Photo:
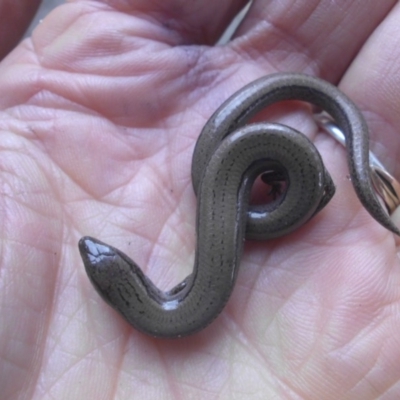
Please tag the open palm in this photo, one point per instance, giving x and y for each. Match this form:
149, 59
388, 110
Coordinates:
100, 111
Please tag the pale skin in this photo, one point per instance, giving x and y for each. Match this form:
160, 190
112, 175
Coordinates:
100, 111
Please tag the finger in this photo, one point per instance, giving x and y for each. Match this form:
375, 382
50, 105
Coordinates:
188, 22
319, 37
373, 81
15, 17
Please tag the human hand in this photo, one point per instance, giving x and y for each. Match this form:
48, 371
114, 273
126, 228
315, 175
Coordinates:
100, 113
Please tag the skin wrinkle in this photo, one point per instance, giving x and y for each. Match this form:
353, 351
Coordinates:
285, 303
352, 220
83, 103
47, 114
355, 220
302, 368
294, 42
187, 241
119, 367
374, 387
260, 34
70, 367
361, 368
25, 205
354, 216
180, 269
53, 385
380, 312
254, 348
394, 381
286, 300
232, 326
169, 377
38, 48
64, 174
299, 391
355, 339
40, 349
282, 298
245, 299
38, 78
173, 207
113, 389
104, 195
308, 354
354, 385
118, 47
